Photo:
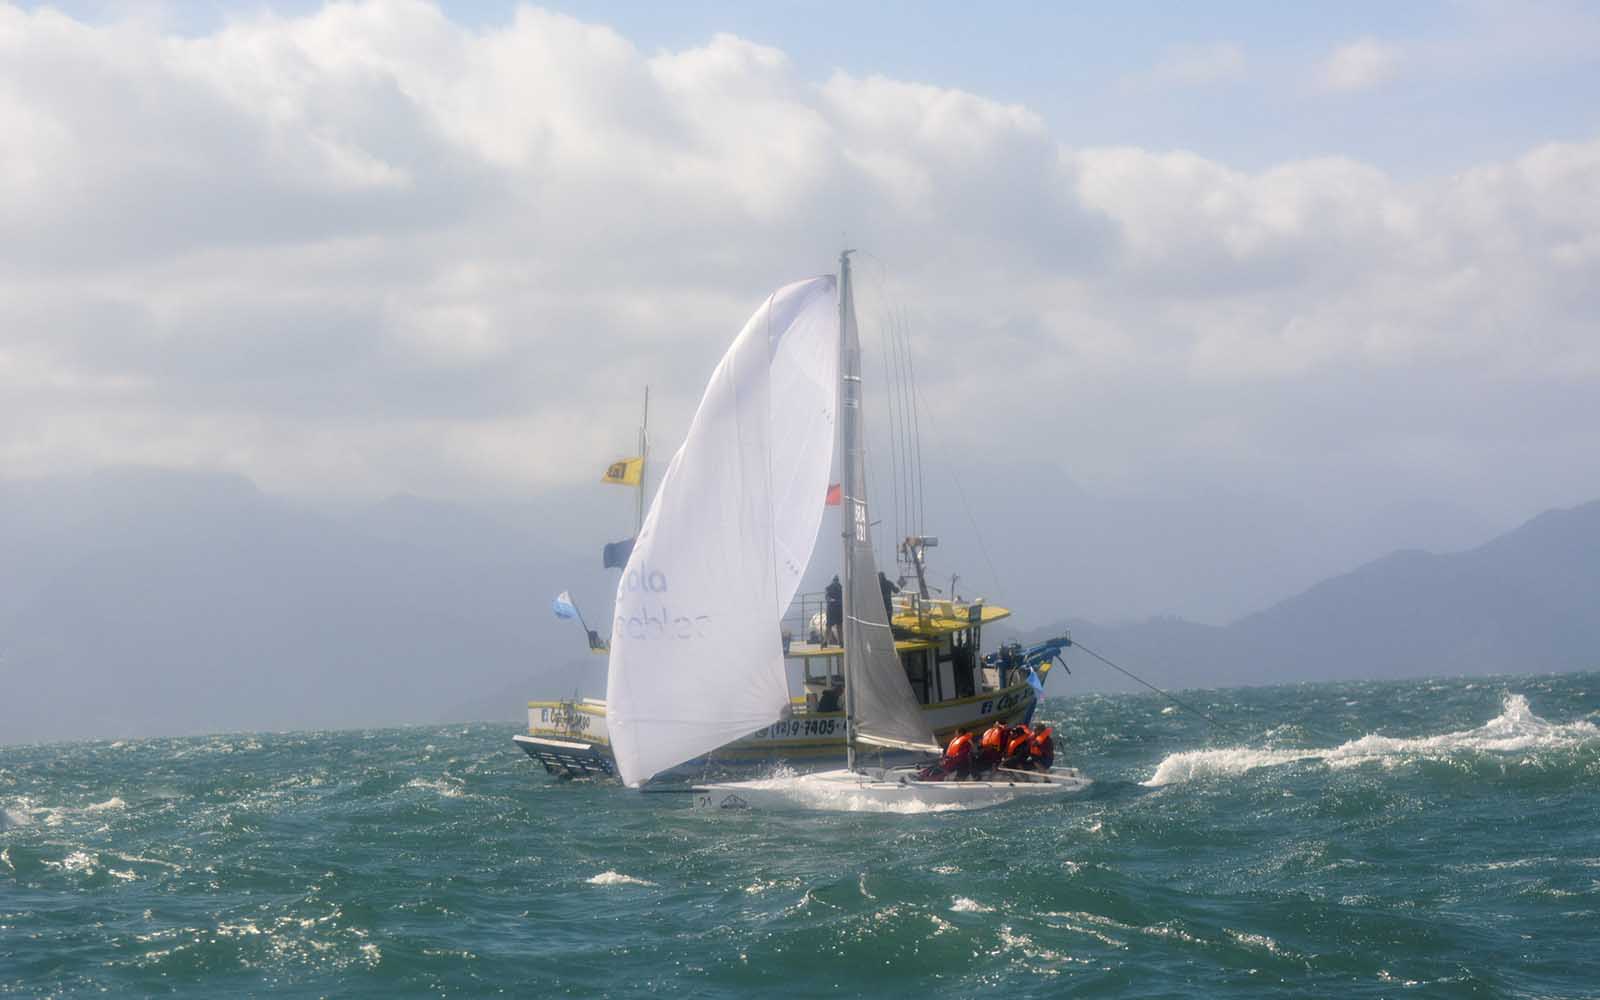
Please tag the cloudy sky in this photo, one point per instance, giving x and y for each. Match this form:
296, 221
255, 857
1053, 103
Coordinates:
1346, 257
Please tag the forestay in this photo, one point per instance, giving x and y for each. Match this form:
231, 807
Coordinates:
696, 657
882, 707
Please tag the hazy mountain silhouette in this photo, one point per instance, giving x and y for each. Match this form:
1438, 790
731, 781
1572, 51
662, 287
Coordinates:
1528, 601
137, 602
1210, 558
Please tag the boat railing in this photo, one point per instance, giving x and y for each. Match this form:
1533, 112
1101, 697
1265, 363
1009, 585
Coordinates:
805, 623
806, 620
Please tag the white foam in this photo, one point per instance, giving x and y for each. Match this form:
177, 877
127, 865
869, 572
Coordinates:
617, 878
115, 802
1197, 764
77, 861
439, 785
1257, 941
137, 859
962, 904
1516, 729
824, 796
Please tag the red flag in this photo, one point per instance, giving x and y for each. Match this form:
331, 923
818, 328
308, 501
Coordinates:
833, 496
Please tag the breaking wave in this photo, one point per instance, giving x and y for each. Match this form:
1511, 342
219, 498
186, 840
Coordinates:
1515, 729
617, 878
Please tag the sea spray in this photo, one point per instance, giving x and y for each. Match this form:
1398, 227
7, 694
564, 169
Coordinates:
1515, 730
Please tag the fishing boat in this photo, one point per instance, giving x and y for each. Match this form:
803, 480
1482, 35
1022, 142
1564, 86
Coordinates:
935, 640
697, 677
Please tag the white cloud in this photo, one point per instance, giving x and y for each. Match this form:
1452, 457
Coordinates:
372, 250
1359, 65
1199, 65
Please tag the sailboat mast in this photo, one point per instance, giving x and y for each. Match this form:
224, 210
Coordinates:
644, 462
849, 413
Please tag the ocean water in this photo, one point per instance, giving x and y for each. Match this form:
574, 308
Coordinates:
1419, 839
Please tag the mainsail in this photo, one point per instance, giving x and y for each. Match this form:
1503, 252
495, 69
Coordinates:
696, 657
879, 702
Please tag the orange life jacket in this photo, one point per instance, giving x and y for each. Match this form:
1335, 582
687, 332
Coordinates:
960, 749
994, 738
1020, 737
1040, 744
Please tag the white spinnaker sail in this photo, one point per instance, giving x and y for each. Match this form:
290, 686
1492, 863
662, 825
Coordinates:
805, 389
696, 656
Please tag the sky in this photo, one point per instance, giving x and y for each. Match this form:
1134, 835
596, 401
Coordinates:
1340, 256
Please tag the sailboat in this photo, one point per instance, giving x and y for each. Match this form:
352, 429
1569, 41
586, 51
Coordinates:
696, 657
937, 636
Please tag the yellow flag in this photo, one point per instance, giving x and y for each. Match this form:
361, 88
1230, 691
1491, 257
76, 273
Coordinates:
624, 472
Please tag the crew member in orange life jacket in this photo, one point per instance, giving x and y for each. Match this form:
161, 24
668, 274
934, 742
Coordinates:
991, 748
956, 762
1042, 749
1018, 739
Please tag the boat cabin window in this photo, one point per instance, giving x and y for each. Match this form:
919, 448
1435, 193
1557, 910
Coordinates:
964, 662
915, 662
820, 673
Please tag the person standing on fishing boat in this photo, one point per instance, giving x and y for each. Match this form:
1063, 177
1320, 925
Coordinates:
834, 597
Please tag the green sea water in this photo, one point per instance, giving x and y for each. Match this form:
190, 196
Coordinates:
1418, 839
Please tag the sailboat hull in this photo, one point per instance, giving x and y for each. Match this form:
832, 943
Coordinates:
806, 742
887, 790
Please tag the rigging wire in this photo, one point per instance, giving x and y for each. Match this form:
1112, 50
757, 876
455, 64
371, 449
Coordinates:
908, 388
1235, 730
894, 451
916, 426
966, 508
908, 403
899, 402
1133, 676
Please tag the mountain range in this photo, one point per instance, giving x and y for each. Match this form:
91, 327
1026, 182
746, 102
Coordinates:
139, 602
1527, 601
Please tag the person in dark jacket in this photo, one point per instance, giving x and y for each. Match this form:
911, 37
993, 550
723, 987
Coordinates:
834, 595
831, 699
889, 590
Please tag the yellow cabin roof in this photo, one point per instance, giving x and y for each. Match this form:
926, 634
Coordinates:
937, 620
940, 618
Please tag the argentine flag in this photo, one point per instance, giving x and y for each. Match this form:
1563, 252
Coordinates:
563, 606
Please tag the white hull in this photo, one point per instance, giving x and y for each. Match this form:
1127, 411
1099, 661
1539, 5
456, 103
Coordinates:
887, 790
807, 741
